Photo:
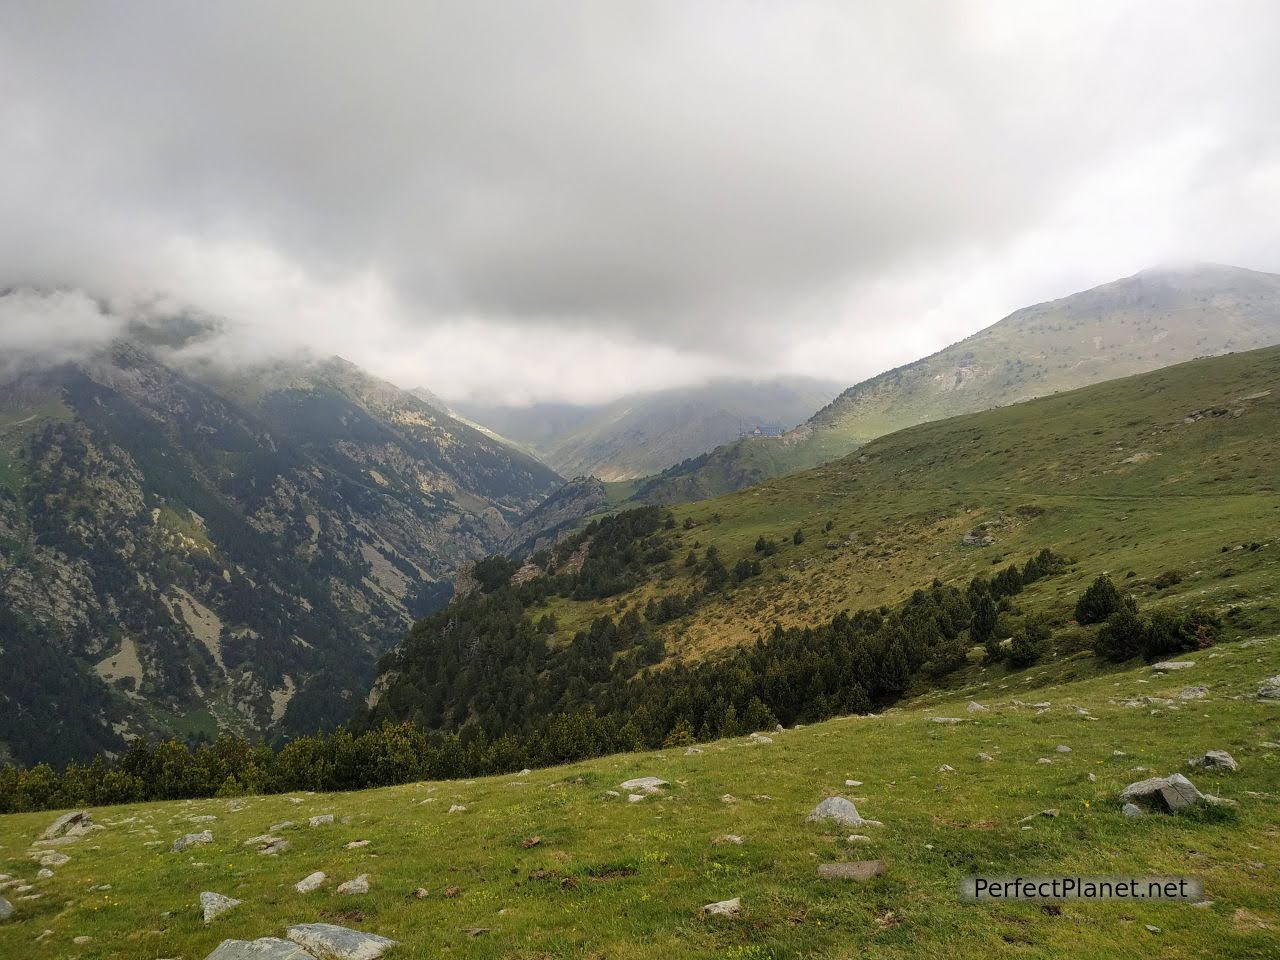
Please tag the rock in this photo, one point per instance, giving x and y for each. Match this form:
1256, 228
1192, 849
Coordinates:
44, 873
975, 707
634, 797
728, 838
1051, 813
357, 844
359, 884
1270, 689
946, 720
853, 783
838, 809
310, 882
728, 798
760, 738
986, 757
1166, 666
1062, 748
51, 858
946, 768
691, 751
857, 838
1193, 693
1215, 760
73, 823
268, 845
215, 904
325, 941
779, 728
320, 821
1173, 793
457, 808
644, 784
282, 825
524, 773
81, 940
6, 909
723, 908
854, 870
191, 840
1151, 928
267, 948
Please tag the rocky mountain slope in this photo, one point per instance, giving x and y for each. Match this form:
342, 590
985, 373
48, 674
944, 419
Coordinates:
182, 551
1155, 318
642, 434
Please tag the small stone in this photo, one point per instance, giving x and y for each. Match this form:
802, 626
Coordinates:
1174, 792
44, 873
51, 858
946, 720
853, 870
946, 768
723, 908
191, 840
853, 783
761, 739
310, 882
320, 821
1167, 666
857, 838
524, 773
986, 757
975, 707
1044, 760
1062, 748
215, 904
644, 784
6, 909
1270, 689
728, 838
457, 808
359, 884
728, 798
81, 940
691, 751
282, 825
1151, 928
357, 844
1050, 814
634, 797
327, 941
1193, 693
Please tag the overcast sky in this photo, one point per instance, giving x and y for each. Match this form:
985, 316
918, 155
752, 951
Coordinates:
567, 201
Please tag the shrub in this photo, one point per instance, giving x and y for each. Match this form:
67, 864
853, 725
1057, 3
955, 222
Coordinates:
1121, 637
798, 537
1029, 643
1167, 579
1099, 601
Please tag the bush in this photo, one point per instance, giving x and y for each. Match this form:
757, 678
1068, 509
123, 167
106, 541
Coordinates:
798, 537
1121, 637
1098, 602
1029, 644
1167, 579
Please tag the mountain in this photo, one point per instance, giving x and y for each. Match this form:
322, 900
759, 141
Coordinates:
184, 551
1158, 317
642, 434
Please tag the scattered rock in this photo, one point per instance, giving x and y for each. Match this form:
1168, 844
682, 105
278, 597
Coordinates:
320, 821
723, 908
215, 904
52, 858
6, 909
692, 751
1270, 689
74, 823
327, 941
853, 870
840, 810
644, 784
44, 873
191, 840
975, 707
853, 783
357, 844
986, 757
1166, 666
857, 838
1193, 693
1151, 928
457, 808
760, 738
282, 825
946, 719
946, 768
310, 882
634, 797
1051, 813
728, 838
81, 940
1173, 793
267, 948
1062, 748
359, 884
1215, 760
728, 798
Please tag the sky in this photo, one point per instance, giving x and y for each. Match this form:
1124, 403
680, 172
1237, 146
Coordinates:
522, 201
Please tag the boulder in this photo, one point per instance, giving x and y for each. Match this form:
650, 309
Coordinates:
1270, 689
853, 870
326, 941
320, 821
975, 707
359, 884
191, 840
1215, 760
644, 784
457, 808
1062, 748
1131, 810
946, 720
74, 823
723, 908
1167, 666
282, 825
52, 858
310, 882
1193, 693
1173, 793
839, 810
215, 904
268, 948
6, 909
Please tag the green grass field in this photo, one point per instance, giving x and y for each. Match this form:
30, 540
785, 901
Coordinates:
616, 879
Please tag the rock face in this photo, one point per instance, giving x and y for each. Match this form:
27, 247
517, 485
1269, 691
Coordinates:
267, 948
644, 784
310, 882
325, 941
723, 908
191, 840
1215, 760
838, 810
74, 823
1172, 793
215, 904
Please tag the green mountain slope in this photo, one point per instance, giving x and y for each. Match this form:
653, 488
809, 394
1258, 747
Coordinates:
186, 553
1156, 318
639, 435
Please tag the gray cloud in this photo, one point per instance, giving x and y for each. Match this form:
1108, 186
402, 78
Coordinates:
629, 194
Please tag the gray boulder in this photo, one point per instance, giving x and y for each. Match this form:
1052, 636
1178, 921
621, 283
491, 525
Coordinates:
838, 810
723, 908
191, 840
326, 941
1270, 689
1173, 793
1215, 760
68, 824
359, 884
1131, 810
215, 904
320, 821
644, 784
1168, 666
310, 882
1193, 693
268, 948
6, 909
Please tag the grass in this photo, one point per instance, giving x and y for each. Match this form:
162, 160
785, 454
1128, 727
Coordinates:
611, 878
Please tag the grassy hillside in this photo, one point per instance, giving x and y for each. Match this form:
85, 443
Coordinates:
1158, 317
626, 880
1172, 470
